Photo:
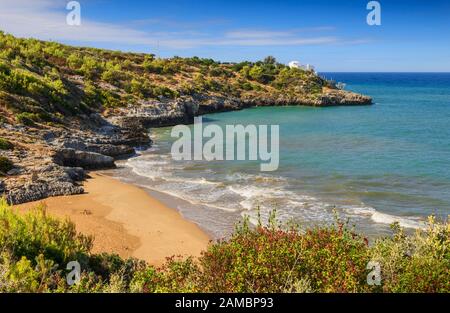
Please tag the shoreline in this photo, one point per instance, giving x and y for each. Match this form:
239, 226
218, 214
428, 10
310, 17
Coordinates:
368, 220
126, 220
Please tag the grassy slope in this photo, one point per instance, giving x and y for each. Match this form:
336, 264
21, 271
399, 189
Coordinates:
46, 81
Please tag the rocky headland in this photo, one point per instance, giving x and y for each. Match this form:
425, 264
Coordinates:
65, 110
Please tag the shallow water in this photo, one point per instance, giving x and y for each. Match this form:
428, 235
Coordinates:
374, 164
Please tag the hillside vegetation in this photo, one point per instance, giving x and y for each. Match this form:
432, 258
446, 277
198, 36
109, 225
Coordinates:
46, 81
35, 249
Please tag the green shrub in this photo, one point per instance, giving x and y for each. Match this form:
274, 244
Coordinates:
157, 91
75, 61
137, 88
239, 66
246, 86
24, 276
272, 258
176, 275
26, 83
36, 233
5, 144
335, 259
5, 165
92, 95
91, 68
27, 118
419, 263
110, 99
161, 66
112, 73
105, 265
154, 65
263, 73
187, 89
269, 259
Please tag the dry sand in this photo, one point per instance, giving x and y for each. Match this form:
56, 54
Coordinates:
126, 220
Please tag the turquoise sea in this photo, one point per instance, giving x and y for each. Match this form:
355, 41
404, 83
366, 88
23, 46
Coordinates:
373, 164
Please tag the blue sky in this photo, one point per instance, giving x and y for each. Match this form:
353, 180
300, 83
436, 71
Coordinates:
332, 35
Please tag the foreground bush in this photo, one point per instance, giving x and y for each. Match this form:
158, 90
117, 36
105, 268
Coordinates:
36, 247
268, 259
37, 233
419, 263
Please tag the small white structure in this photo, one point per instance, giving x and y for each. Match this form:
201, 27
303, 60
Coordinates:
309, 67
294, 64
297, 64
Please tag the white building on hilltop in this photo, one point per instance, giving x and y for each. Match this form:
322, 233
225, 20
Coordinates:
297, 64
294, 64
309, 67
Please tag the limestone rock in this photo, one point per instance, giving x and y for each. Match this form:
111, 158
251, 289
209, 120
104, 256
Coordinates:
36, 191
87, 160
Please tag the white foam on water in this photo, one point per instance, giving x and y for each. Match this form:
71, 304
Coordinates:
244, 177
406, 222
140, 168
198, 181
360, 210
184, 197
384, 218
249, 193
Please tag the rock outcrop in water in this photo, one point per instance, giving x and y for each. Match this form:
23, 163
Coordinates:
183, 110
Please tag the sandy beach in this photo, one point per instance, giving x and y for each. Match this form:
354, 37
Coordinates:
126, 220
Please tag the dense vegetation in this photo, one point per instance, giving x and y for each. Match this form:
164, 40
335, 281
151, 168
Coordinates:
47, 81
36, 247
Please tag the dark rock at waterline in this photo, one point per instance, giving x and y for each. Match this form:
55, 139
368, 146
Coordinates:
75, 173
87, 160
101, 148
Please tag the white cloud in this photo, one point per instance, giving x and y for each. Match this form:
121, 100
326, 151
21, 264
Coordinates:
279, 42
41, 19
254, 34
46, 19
